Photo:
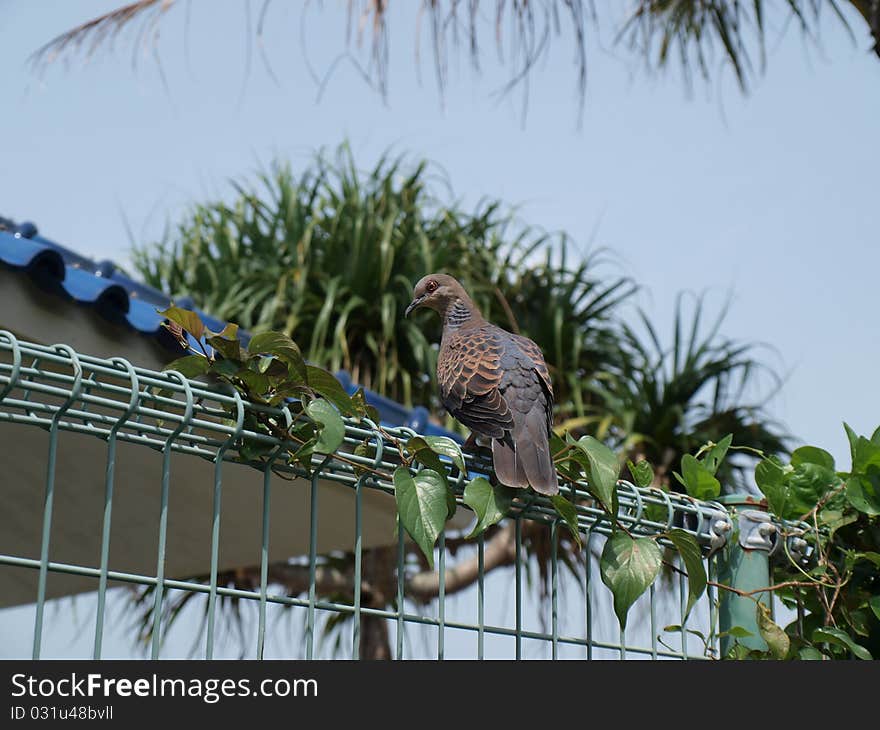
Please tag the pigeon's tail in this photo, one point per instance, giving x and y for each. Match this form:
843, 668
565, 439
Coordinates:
523, 458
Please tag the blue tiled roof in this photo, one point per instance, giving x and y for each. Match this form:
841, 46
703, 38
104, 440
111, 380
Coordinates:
118, 298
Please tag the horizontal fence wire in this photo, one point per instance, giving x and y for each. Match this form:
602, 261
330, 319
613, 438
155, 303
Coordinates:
59, 390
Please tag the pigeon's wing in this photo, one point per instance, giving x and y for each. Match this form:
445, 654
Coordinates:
469, 374
531, 350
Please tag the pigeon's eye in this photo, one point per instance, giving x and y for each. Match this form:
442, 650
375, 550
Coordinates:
431, 286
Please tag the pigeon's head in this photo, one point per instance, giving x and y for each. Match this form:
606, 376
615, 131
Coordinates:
438, 292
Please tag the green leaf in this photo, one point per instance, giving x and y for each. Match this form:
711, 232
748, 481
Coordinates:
428, 458
793, 493
252, 450
270, 366
737, 632
692, 557
874, 603
831, 635
777, 640
628, 566
226, 368
230, 349
324, 383
604, 470
713, 458
189, 366
421, 505
642, 473
770, 478
698, 480
332, 427
566, 510
363, 408
809, 653
853, 439
557, 445
277, 343
447, 447
859, 622
229, 332
489, 503
190, 321
865, 454
806, 486
258, 385
863, 492
812, 455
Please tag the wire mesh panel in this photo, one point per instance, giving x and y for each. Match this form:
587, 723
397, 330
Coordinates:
121, 481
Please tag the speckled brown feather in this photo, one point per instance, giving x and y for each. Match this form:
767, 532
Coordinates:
494, 382
469, 375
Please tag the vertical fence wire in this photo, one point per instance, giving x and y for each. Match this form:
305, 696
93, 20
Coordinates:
358, 558
156, 641
264, 549
441, 596
682, 605
554, 588
50, 494
313, 565
400, 579
481, 588
588, 597
108, 500
215, 521
713, 641
518, 559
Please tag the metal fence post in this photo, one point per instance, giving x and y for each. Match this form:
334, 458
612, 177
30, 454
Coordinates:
744, 564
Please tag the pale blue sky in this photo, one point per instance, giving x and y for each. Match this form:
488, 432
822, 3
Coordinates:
771, 197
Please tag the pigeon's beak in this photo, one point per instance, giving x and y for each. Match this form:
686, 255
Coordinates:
414, 304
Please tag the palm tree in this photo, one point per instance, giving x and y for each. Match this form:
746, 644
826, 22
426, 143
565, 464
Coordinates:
694, 33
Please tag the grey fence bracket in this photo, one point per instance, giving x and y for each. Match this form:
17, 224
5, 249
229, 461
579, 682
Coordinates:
756, 530
719, 527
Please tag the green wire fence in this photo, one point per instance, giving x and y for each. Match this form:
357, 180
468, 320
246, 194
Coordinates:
58, 390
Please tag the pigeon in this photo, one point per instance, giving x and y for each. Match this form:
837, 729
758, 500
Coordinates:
494, 382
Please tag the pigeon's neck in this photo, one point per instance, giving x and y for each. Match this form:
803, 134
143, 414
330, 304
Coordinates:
459, 313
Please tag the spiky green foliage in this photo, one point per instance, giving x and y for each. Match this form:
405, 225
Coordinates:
330, 257
668, 401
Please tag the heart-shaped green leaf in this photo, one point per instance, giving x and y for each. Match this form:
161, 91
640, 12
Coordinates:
279, 344
490, 504
566, 510
190, 321
628, 566
421, 506
604, 470
692, 556
699, 481
863, 492
642, 472
715, 455
189, 366
812, 455
332, 427
324, 383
